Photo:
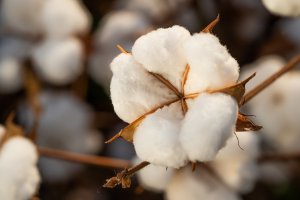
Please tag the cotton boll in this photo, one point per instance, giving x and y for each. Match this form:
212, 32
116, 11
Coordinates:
284, 8
2, 131
211, 66
64, 18
197, 185
237, 167
22, 16
59, 61
18, 171
133, 90
207, 125
154, 178
11, 73
161, 51
156, 138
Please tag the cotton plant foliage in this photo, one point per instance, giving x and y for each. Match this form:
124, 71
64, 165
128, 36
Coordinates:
284, 8
170, 88
18, 171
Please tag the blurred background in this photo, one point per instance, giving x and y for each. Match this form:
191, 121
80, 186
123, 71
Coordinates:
59, 51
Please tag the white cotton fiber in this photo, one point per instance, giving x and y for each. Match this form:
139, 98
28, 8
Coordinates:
155, 178
64, 18
133, 90
156, 138
198, 185
18, 171
284, 8
59, 61
235, 166
161, 51
22, 16
207, 125
11, 75
212, 67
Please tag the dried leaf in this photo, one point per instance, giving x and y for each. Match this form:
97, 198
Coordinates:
112, 182
243, 123
126, 182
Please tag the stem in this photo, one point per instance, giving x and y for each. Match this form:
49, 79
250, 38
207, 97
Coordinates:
252, 93
136, 168
279, 157
85, 159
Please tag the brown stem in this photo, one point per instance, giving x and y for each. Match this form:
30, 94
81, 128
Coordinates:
279, 157
211, 25
85, 159
252, 93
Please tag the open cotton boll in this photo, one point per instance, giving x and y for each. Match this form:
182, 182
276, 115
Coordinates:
65, 124
22, 16
237, 167
154, 178
59, 61
133, 90
11, 73
211, 66
207, 125
18, 171
161, 51
156, 138
285, 8
197, 185
64, 18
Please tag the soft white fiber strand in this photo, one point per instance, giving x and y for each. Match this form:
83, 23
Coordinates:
161, 51
18, 171
64, 18
207, 125
211, 66
58, 61
289, 8
156, 138
133, 90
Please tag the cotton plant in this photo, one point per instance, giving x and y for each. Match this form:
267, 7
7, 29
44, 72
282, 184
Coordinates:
19, 174
66, 124
288, 8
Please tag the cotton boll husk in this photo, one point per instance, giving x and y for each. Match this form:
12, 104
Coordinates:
11, 73
154, 178
64, 18
211, 66
237, 167
285, 8
207, 125
156, 138
65, 124
133, 90
59, 61
22, 16
18, 171
161, 51
197, 185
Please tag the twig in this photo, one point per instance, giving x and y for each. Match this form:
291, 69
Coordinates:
85, 159
279, 157
252, 93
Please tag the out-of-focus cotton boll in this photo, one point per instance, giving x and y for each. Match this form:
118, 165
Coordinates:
154, 178
22, 16
65, 124
197, 185
18, 171
284, 8
10, 75
237, 167
64, 18
274, 172
59, 61
113, 31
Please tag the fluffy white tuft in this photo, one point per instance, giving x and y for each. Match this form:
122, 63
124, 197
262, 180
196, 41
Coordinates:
212, 67
10, 75
59, 61
161, 51
133, 90
64, 18
197, 185
156, 138
207, 125
284, 8
18, 171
